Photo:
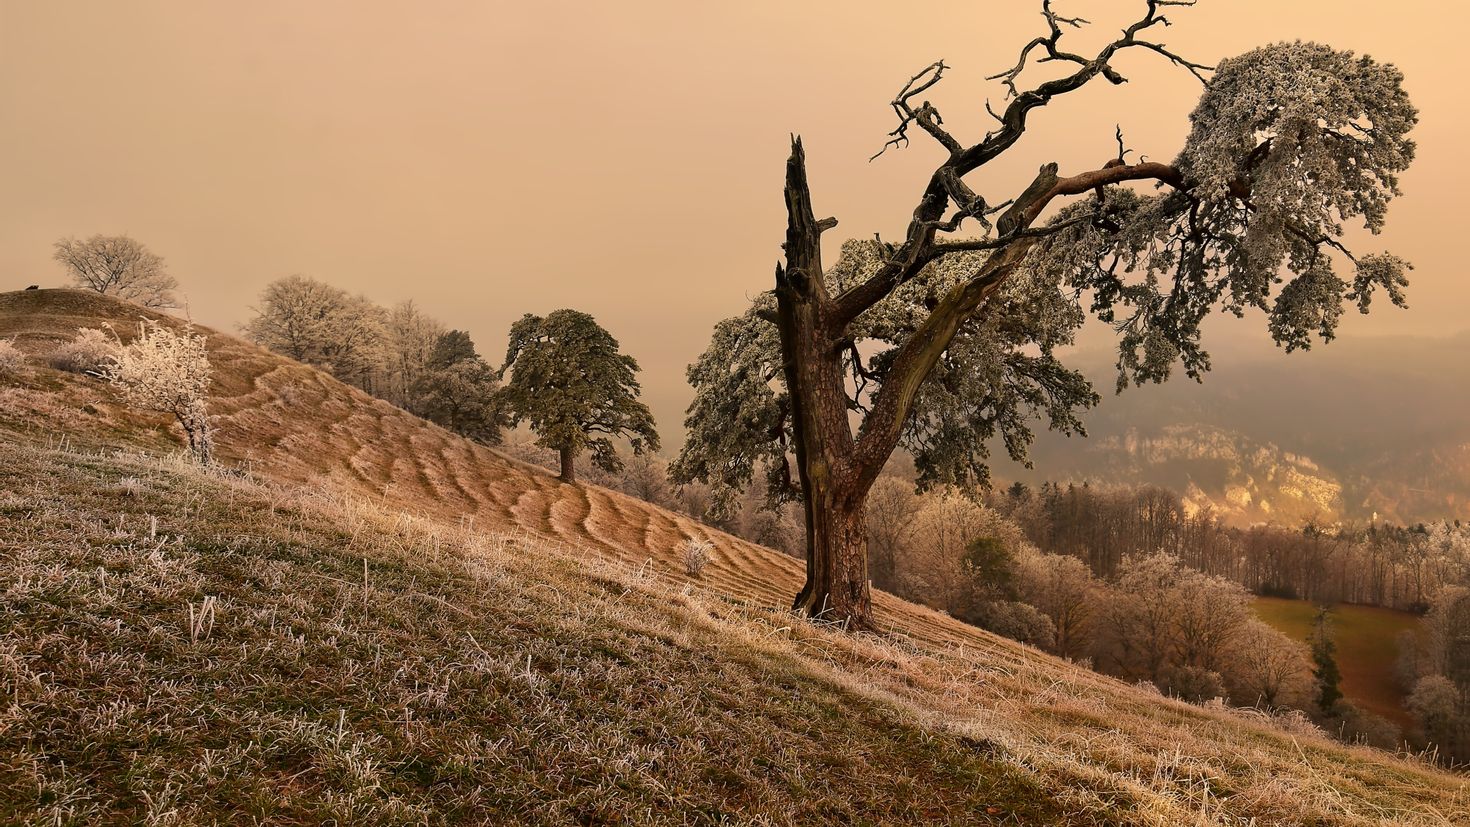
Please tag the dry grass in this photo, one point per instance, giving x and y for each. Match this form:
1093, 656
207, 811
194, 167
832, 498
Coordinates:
178, 647
430, 632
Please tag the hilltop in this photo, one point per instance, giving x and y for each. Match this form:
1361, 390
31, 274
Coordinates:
365, 618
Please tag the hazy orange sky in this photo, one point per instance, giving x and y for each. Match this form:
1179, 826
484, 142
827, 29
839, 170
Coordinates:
493, 159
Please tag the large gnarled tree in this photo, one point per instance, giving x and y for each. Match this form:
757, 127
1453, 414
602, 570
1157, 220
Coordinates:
943, 340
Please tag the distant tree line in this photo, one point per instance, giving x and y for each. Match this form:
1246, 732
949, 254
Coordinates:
1380, 565
563, 374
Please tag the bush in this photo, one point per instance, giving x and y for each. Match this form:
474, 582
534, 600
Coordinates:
1356, 725
1017, 621
86, 353
11, 357
1195, 683
168, 372
696, 556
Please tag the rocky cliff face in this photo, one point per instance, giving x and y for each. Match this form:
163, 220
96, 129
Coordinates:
1344, 433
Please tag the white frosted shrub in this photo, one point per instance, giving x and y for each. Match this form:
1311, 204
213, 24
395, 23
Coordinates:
167, 372
11, 358
88, 352
696, 556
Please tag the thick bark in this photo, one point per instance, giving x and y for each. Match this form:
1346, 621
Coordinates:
568, 465
836, 586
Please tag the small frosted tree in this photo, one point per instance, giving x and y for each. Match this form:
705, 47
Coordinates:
576, 390
166, 371
117, 265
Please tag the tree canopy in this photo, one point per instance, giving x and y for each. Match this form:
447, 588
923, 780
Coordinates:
120, 266
568, 380
999, 374
459, 391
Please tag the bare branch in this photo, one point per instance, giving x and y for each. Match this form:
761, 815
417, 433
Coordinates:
1054, 22
1196, 69
929, 216
926, 116
1122, 151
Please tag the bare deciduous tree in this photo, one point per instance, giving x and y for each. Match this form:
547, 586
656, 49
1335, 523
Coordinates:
321, 325
118, 266
892, 506
1268, 669
1061, 587
410, 340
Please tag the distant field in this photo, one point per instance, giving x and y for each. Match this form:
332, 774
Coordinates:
1367, 648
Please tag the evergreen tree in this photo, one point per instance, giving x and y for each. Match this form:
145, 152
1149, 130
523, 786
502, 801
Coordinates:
1329, 678
576, 390
459, 391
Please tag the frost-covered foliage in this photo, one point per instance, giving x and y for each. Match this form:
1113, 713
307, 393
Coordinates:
411, 339
316, 323
87, 352
1060, 587
1167, 623
1440, 675
117, 266
998, 375
11, 357
161, 370
1288, 144
1268, 669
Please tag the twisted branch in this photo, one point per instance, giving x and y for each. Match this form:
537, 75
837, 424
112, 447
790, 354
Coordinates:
945, 185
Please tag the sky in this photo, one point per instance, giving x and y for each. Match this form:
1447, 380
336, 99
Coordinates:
489, 159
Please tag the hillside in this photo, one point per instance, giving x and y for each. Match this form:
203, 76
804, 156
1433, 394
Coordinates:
379, 622
1346, 431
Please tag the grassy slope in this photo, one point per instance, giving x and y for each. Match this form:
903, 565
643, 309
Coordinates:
365, 668
1367, 648
525, 650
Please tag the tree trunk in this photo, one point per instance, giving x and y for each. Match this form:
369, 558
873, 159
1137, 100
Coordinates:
568, 466
195, 423
833, 492
837, 586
